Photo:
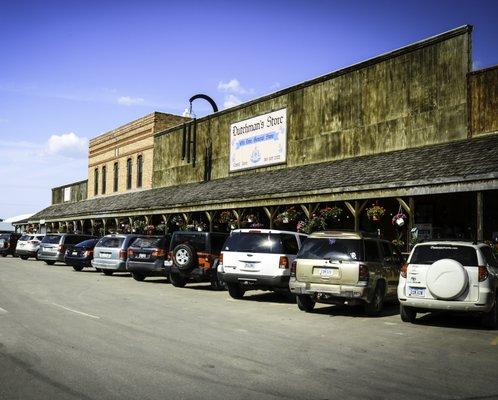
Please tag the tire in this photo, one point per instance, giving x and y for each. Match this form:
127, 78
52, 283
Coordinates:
49, 262
305, 302
77, 268
374, 308
490, 319
184, 257
407, 314
4, 254
235, 291
23, 257
138, 276
107, 272
215, 282
177, 280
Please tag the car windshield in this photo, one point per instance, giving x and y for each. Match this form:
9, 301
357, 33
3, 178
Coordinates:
331, 248
148, 242
259, 242
114, 242
25, 238
428, 254
51, 239
87, 243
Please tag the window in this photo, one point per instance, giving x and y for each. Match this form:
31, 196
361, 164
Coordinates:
116, 174
428, 254
139, 170
289, 244
128, 173
372, 251
96, 181
331, 249
104, 178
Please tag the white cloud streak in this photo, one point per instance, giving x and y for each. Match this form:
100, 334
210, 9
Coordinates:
231, 101
130, 101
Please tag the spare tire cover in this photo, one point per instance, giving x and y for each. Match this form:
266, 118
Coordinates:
447, 279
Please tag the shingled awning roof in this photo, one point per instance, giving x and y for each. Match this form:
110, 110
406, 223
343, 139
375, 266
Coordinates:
457, 166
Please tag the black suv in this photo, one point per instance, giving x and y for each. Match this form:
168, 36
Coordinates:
194, 256
146, 257
8, 243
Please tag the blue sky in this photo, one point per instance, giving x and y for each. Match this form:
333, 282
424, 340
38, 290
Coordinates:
72, 70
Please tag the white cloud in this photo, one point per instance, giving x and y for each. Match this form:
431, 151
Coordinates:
130, 101
67, 145
275, 86
233, 86
231, 101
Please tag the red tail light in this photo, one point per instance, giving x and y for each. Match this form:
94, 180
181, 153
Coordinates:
61, 248
293, 268
88, 253
283, 262
130, 253
123, 254
363, 274
483, 273
220, 259
34, 241
404, 270
169, 256
158, 253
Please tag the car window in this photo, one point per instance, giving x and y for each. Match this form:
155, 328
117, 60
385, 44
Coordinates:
51, 239
387, 252
87, 243
217, 242
199, 242
25, 238
289, 244
143, 242
114, 242
372, 251
254, 242
331, 248
73, 239
490, 258
428, 254
302, 238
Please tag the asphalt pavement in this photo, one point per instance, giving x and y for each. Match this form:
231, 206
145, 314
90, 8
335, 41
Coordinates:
83, 335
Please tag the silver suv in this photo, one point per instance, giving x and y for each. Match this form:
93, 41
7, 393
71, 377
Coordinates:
451, 276
111, 252
350, 268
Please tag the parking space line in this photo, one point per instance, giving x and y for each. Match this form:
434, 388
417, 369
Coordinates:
76, 311
3, 311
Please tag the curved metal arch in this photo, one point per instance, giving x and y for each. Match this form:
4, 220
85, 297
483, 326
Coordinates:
204, 97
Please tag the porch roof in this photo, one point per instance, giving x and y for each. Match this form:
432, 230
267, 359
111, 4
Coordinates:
464, 165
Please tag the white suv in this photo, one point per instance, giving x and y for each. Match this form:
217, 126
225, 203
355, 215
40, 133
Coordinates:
450, 276
258, 259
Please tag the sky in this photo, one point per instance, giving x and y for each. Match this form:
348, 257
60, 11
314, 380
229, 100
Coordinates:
70, 71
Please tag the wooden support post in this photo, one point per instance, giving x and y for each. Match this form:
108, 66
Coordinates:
410, 211
210, 217
104, 223
166, 222
239, 214
480, 216
271, 213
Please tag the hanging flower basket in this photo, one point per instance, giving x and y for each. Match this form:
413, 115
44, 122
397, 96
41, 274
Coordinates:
252, 219
399, 219
398, 243
375, 212
315, 223
331, 213
289, 215
226, 217
149, 229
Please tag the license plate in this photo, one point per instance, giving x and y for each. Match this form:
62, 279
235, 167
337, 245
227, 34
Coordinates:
50, 249
327, 272
142, 255
248, 265
105, 255
75, 253
416, 292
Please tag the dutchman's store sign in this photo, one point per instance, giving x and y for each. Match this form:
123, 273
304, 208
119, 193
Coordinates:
259, 141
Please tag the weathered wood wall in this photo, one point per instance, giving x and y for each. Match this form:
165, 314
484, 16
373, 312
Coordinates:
78, 192
483, 101
411, 97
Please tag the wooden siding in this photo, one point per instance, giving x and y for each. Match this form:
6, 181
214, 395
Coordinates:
483, 101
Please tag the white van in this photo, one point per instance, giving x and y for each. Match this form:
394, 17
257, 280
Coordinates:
258, 259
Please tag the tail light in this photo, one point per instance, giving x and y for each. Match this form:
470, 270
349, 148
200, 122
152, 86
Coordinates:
34, 241
483, 273
130, 253
363, 274
88, 253
158, 253
220, 259
283, 262
122, 254
293, 268
61, 248
169, 256
404, 270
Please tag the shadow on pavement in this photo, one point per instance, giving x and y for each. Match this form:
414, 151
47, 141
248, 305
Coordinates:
389, 310
450, 320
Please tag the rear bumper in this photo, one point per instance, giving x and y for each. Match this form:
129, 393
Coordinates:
29, 253
197, 274
78, 262
148, 268
115, 265
262, 281
51, 256
328, 291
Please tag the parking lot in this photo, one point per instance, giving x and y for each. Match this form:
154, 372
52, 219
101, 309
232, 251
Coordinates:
83, 335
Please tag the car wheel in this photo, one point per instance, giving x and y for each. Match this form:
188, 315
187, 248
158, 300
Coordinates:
235, 290
4, 254
23, 257
305, 302
184, 257
50, 262
138, 276
407, 314
177, 280
78, 269
375, 306
490, 319
107, 272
